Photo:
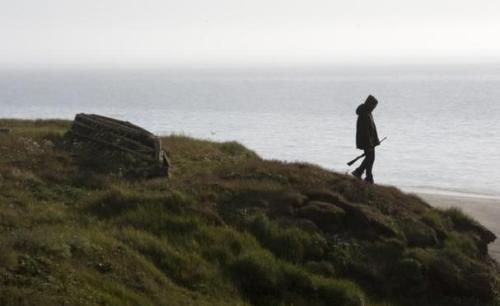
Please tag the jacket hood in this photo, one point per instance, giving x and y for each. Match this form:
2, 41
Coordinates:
362, 109
367, 107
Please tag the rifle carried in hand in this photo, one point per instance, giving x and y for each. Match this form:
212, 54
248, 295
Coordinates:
362, 155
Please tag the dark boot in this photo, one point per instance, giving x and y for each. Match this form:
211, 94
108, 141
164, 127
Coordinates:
369, 179
357, 173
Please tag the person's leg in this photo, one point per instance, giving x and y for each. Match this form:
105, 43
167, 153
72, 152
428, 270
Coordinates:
359, 171
370, 159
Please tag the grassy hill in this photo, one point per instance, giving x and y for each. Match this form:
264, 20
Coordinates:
228, 228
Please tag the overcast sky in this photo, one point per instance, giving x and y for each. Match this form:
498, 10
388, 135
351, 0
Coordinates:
147, 32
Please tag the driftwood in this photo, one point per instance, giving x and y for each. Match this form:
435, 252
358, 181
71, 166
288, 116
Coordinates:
125, 137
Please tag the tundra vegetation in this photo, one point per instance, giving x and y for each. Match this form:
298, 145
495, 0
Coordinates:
228, 228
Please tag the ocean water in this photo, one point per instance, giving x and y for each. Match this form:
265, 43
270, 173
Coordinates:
443, 129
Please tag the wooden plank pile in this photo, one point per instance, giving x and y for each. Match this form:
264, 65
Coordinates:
123, 136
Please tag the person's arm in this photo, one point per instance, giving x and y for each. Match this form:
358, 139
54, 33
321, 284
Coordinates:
375, 141
363, 133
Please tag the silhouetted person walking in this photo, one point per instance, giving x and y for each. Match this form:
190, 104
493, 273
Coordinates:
366, 138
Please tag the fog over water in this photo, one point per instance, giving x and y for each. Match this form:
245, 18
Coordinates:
154, 32
442, 128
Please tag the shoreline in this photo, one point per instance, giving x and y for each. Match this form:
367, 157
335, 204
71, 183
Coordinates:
449, 193
486, 210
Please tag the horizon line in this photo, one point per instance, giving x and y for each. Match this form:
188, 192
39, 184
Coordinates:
259, 65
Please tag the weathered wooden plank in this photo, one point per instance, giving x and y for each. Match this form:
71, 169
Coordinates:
113, 124
123, 136
112, 136
145, 156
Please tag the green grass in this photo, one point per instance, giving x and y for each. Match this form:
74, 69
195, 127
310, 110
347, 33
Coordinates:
228, 228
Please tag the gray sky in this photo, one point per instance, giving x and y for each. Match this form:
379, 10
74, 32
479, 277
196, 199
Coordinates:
147, 32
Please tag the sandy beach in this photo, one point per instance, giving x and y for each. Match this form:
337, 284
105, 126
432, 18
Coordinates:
486, 210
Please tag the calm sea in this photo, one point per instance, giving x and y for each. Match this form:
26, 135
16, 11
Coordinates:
443, 129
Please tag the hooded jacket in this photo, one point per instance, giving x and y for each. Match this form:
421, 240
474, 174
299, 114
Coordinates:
366, 131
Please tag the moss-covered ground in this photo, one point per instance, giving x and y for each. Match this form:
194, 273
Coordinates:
228, 228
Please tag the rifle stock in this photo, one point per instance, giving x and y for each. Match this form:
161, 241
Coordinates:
355, 160
362, 155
